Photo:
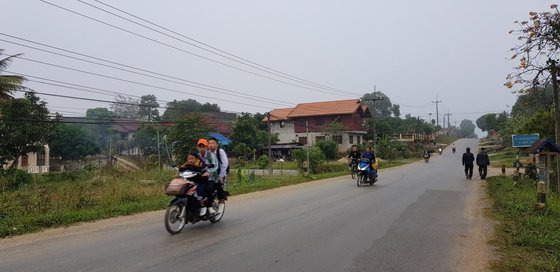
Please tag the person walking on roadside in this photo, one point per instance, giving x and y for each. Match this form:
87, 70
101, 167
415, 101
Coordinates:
482, 160
468, 159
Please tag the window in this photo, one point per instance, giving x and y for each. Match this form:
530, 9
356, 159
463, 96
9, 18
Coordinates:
319, 138
282, 124
337, 139
351, 139
303, 140
319, 121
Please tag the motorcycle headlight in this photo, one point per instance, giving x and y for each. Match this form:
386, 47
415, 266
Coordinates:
187, 174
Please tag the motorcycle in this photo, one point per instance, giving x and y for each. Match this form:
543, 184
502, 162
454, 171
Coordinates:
454, 150
366, 174
184, 208
426, 157
440, 150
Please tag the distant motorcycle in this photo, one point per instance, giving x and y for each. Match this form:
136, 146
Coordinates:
184, 208
454, 150
440, 150
426, 157
366, 174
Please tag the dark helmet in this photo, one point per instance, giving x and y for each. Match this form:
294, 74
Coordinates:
468, 149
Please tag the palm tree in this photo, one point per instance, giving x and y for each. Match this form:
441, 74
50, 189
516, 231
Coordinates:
8, 83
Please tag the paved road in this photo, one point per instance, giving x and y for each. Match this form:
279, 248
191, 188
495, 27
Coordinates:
410, 221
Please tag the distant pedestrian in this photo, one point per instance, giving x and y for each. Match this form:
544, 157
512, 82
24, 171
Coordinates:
482, 160
468, 160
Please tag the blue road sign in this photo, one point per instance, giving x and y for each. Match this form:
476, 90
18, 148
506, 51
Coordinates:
524, 140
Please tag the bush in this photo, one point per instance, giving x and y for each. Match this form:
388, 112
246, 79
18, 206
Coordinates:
329, 149
390, 149
263, 162
316, 158
12, 179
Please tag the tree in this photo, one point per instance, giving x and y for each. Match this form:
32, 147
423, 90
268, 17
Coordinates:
328, 148
9, 83
148, 109
466, 129
246, 130
316, 158
72, 142
101, 132
537, 56
25, 126
177, 109
396, 110
533, 100
383, 108
184, 135
334, 129
126, 107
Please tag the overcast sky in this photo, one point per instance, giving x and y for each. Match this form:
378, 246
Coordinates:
411, 50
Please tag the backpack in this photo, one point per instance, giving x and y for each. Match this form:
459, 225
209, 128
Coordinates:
220, 161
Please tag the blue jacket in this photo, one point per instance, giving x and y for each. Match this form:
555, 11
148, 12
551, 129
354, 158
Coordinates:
369, 155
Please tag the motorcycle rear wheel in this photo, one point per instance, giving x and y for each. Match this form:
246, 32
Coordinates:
353, 172
173, 221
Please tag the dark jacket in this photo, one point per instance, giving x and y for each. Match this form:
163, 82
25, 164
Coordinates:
354, 154
369, 155
482, 159
468, 159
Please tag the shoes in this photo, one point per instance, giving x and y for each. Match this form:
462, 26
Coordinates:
221, 207
203, 211
211, 210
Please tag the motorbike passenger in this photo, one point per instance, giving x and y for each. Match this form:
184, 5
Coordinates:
212, 165
354, 156
223, 170
195, 164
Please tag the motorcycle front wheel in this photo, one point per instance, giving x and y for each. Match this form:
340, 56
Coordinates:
359, 180
174, 222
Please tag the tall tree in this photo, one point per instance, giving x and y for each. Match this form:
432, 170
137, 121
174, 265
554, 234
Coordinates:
9, 83
177, 109
184, 135
126, 107
25, 126
246, 130
383, 108
148, 109
71, 142
101, 132
466, 129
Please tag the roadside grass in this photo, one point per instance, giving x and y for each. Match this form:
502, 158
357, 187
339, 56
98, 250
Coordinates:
526, 239
61, 199
287, 165
507, 157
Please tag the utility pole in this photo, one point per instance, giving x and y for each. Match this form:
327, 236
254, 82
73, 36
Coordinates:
375, 98
448, 119
437, 110
307, 143
269, 145
554, 76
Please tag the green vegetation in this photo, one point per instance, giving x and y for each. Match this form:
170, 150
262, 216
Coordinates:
445, 139
507, 157
527, 239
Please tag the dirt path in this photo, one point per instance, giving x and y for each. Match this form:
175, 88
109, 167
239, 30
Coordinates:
475, 253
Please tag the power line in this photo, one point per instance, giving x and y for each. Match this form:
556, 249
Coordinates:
226, 91
227, 55
188, 52
136, 82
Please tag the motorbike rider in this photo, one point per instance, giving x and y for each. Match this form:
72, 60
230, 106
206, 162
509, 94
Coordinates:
370, 155
212, 165
453, 148
223, 170
426, 154
354, 156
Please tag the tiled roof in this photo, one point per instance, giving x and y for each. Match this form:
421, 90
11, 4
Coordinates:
325, 108
279, 114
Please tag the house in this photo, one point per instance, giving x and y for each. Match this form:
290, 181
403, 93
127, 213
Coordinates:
32, 162
341, 121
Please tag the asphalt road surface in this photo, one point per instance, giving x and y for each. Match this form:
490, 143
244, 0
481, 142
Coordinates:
413, 219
